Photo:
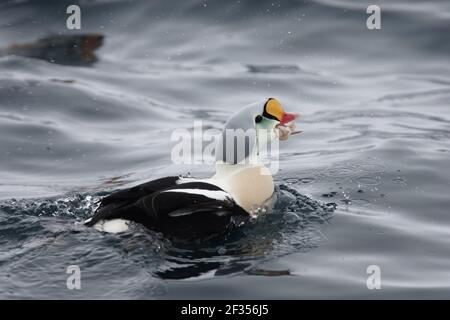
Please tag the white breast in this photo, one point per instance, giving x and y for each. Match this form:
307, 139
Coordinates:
250, 185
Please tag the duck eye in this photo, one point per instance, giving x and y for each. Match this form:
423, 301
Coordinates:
258, 119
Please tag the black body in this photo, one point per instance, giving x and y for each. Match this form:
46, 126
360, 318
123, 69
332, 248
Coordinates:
158, 206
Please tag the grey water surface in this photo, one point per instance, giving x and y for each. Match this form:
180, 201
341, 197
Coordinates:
375, 111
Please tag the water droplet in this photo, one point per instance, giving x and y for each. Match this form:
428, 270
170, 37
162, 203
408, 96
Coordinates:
399, 180
327, 195
307, 180
368, 181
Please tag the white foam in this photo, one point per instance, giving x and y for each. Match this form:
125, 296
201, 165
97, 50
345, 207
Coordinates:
87, 220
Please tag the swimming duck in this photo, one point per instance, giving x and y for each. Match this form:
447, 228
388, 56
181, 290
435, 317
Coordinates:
241, 188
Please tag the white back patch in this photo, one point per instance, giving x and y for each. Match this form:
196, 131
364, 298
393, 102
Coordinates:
212, 194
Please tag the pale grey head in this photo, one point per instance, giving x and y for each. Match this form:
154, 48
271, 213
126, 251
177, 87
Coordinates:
242, 133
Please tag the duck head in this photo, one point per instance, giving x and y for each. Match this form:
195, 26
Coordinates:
251, 129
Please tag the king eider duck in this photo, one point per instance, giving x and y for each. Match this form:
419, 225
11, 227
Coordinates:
241, 188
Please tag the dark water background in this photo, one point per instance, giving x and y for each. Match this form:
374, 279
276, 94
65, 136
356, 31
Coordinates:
376, 120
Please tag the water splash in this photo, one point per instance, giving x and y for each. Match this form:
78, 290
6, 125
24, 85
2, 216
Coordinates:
45, 224
77, 206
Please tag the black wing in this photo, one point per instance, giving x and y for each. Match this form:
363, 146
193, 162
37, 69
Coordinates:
171, 209
191, 215
121, 204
